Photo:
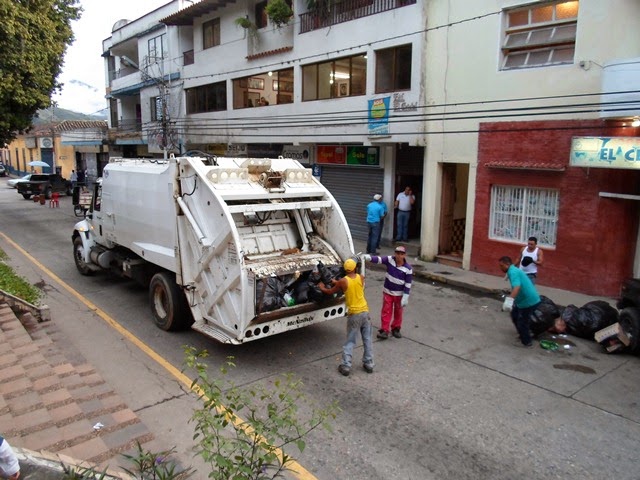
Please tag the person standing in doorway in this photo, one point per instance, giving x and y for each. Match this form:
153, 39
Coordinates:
404, 202
531, 257
74, 178
395, 291
522, 301
375, 211
384, 214
352, 284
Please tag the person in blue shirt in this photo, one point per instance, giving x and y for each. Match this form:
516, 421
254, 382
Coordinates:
375, 211
522, 301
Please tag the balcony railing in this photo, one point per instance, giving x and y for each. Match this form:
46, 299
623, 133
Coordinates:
347, 10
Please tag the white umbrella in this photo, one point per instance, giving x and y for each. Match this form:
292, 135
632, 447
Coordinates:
38, 163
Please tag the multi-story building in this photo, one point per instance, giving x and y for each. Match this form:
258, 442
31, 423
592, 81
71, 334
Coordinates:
483, 107
529, 100
337, 86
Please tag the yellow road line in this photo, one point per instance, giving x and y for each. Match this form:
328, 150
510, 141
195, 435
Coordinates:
295, 468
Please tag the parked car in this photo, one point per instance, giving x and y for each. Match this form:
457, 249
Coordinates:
44, 184
15, 181
3, 170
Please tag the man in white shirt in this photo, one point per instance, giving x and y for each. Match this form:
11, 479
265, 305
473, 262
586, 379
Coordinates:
404, 202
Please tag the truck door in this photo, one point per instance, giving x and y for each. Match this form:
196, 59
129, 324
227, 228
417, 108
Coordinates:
103, 221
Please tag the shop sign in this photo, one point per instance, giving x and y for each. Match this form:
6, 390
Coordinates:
302, 153
236, 150
379, 116
343, 155
605, 152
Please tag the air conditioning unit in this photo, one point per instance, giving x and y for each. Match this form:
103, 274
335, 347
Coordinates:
45, 142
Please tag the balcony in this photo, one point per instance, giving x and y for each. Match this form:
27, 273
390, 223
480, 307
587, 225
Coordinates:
621, 76
347, 10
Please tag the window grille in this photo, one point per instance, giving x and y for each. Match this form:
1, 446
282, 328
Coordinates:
518, 213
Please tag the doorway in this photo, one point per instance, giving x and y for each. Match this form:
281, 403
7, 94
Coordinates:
453, 207
409, 164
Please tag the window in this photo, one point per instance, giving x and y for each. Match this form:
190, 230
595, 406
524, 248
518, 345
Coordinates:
157, 47
156, 109
261, 14
518, 213
344, 77
207, 98
393, 69
211, 33
540, 35
269, 88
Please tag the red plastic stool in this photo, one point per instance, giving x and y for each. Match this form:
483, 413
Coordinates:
55, 200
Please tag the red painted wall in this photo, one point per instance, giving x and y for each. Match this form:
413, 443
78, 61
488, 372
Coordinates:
596, 237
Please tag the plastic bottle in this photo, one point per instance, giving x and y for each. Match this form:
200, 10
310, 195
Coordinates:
289, 301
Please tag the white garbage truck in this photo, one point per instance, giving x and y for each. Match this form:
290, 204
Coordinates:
231, 247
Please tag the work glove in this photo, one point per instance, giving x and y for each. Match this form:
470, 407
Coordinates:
366, 257
507, 306
405, 300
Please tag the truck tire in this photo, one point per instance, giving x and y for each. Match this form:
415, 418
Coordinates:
47, 193
26, 196
81, 265
629, 320
167, 303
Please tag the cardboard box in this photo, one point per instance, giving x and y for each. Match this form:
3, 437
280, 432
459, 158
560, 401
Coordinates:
614, 330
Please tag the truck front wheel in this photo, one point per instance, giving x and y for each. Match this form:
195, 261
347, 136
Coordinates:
167, 302
78, 257
26, 196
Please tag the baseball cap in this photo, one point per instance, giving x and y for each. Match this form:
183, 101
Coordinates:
349, 265
401, 249
377, 196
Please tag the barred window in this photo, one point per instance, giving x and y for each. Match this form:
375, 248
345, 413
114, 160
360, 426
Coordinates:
518, 213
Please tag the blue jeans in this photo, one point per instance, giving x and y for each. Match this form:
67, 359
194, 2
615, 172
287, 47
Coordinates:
374, 234
358, 322
532, 277
380, 233
402, 224
521, 319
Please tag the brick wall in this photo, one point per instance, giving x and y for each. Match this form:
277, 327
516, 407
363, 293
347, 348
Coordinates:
596, 237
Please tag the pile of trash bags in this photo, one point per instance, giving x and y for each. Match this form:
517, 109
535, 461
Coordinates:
581, 322
276, 292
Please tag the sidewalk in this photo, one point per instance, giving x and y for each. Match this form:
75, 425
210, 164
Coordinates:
473, 281
55, 408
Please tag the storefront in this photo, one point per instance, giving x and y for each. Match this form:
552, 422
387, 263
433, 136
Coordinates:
353, 175
530, 183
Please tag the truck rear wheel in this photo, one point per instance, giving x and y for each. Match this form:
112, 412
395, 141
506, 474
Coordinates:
167, 303
47, 193
78, 257
26, 196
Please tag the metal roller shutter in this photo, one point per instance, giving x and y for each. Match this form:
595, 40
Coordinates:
353, 189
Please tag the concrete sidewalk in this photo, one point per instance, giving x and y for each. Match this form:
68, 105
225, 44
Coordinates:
473, 281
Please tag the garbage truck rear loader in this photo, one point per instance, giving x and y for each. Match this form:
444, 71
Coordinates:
229, 246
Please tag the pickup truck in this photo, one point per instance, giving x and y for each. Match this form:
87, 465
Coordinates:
45, 183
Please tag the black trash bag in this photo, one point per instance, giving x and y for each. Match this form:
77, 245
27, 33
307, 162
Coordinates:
314, 294
325, 273
544, 316
269, 291
585, 321
301, 291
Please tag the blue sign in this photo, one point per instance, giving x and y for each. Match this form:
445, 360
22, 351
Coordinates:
379, 116
605, 152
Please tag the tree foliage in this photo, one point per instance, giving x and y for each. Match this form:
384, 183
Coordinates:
34, 36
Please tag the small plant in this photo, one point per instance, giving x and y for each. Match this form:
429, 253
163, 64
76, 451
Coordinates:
156, 466
279, 12
82, 473
262, 422
245, 23
12, 283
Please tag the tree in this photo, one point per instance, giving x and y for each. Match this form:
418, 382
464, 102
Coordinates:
34, 36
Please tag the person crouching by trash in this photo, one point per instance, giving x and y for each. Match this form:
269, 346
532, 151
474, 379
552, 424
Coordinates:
522, 301
9, 466
352, 284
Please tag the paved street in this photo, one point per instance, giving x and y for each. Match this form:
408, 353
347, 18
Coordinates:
456, 398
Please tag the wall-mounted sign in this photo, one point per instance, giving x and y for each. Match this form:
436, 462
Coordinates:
605, 152
236, 150
379, 116
345, 155
302, 153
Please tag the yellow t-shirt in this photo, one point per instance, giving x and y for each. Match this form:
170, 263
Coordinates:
354, 296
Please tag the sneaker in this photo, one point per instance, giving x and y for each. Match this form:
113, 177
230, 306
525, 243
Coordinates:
344, 370
396, 333
382, 335
367, 368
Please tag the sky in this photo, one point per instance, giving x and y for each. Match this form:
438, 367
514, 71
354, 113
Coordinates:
83, 72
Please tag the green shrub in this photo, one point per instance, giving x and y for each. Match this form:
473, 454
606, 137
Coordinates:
16, 285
